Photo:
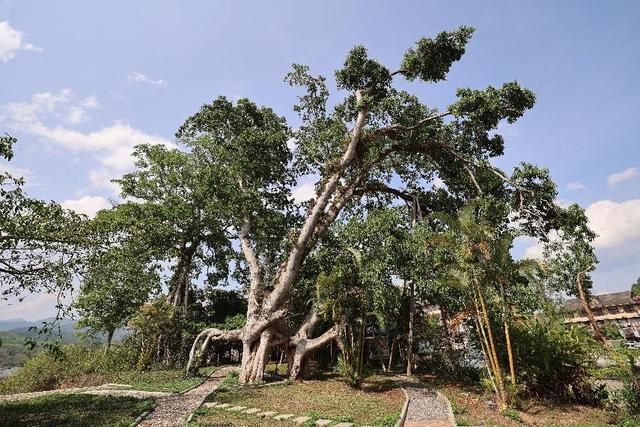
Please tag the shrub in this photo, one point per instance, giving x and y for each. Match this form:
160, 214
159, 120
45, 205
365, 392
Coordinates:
553, 360
47, 370
348, 373
611, 330
631, 389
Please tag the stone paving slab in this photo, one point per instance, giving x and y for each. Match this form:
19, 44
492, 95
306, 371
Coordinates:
128, 393
237, 408
252, 411
323, 422
343, 425
301, 420
284, 416
267, 414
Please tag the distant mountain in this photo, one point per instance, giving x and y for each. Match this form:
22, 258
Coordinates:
13, 351
67, 329
8, 324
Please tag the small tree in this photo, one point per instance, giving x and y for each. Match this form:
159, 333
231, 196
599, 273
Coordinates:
570, 258
115, 285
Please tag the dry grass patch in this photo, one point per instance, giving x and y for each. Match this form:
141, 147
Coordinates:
219, 417
472, 406
328, 398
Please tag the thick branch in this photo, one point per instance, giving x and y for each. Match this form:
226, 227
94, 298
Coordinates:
401, 128
310, 322
212, 334
315, 343
289, 271
254, 266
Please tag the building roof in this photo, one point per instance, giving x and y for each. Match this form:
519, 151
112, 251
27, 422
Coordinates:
604, 300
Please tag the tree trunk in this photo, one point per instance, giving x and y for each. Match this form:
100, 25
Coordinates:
390, 363
410, 335
303, 346
512, 368
491, 347
109, 339
587, 309
507, 335
180, 293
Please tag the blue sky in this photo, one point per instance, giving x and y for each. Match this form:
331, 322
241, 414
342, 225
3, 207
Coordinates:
82, 82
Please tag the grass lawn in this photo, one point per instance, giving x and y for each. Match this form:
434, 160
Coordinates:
73, 410
378, 403
170, 380
470, 407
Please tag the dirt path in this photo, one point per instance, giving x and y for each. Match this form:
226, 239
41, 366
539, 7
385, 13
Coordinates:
173, 410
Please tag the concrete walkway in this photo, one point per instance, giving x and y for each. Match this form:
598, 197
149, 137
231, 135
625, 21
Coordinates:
105, 390
173, 410
427, 408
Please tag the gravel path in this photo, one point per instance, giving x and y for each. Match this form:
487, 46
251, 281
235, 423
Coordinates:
427, 408
173, 410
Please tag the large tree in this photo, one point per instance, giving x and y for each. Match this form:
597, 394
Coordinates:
377, 142
170, 211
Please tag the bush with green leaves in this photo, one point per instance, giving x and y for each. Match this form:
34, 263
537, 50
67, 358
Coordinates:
631, 389
49, 370
553, 359
611, 330
348, 372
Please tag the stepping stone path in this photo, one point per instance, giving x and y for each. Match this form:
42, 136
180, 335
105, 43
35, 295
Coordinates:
173, 410
272, 414
283, 417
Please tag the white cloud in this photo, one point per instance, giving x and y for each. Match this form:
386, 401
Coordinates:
101, 178
533, 252
112, 145
33, 307
137, 77
88, 205
14, 171
292, 144
622, 176
575, 186
12, 41
438, 183
617, 224
304, 191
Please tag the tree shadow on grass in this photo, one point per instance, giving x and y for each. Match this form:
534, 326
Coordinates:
73, 410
